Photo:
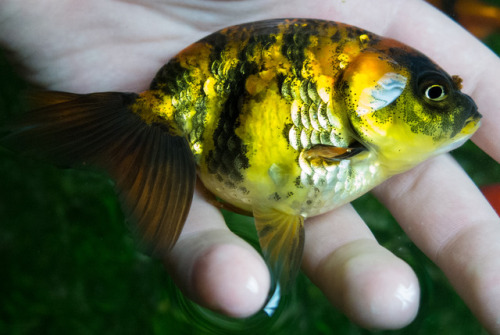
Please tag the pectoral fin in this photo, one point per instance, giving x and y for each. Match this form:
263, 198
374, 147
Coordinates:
331, 153
281, 238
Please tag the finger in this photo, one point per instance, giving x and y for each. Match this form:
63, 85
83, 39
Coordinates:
215, 268
446, 216
373, 287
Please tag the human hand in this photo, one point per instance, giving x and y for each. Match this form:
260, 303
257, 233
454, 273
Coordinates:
109, 45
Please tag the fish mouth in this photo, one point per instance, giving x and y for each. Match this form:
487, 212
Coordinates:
473, 121
469, 128
472, 124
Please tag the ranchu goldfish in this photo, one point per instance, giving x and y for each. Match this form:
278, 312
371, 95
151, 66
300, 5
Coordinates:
281, 119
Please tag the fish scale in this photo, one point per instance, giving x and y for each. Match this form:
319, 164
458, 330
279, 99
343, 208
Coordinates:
312, 122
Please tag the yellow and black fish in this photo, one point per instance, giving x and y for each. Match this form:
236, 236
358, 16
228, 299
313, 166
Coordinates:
283, 119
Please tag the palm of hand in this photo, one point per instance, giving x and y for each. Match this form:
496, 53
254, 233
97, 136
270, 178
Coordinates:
118, 45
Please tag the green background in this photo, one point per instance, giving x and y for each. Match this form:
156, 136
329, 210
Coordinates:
68, 264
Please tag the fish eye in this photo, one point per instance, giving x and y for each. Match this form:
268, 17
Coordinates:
433, 86
435, 92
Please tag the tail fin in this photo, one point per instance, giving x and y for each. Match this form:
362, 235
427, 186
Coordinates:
154, 171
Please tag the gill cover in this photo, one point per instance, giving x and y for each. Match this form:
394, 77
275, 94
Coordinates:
374, 82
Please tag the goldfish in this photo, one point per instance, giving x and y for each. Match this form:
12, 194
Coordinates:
280, 119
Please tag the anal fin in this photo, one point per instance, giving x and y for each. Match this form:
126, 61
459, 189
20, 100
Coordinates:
281, 238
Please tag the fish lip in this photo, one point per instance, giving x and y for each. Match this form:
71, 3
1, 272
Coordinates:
471, 125
476, 118
473, 121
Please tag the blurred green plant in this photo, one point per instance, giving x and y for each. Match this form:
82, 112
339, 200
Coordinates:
70, 266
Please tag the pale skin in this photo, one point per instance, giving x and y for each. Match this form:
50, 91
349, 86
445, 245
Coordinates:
101, 45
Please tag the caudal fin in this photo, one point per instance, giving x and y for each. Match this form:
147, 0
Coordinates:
154, 171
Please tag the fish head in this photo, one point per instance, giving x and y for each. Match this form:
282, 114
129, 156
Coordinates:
405, 108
